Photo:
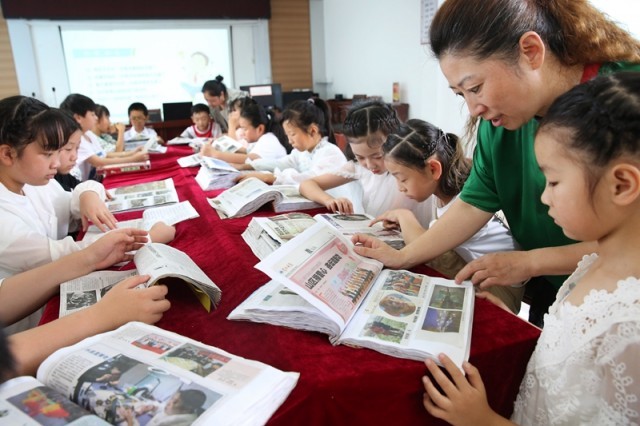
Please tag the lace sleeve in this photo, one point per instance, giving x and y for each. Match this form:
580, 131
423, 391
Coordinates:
347, 171
618, 356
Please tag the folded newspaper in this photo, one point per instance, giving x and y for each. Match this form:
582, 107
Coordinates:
142, 195
216, 174
141, 374
251, 194
264, 235
156, 260
320, 284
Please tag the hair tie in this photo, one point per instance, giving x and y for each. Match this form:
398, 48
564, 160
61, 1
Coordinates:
311, 101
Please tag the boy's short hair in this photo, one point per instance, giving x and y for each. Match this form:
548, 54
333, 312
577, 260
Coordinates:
200, 108
79, 104
138, 106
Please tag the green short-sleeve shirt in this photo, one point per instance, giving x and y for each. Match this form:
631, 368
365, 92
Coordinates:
505, 176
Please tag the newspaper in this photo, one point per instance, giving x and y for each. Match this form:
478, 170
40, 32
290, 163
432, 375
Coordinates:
192, 160
398, 313
251, 194
169, 214
216, 174
142, 195
140, 373
152, 145
265, 234
179, 140
156, 260
226, 144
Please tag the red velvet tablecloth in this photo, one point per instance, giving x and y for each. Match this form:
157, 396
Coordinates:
338, 385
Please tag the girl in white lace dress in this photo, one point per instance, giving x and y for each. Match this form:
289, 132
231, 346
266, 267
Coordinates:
584, 370
366, 127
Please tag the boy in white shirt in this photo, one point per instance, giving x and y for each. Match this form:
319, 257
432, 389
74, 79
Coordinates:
90, 152
138, 115
203, 125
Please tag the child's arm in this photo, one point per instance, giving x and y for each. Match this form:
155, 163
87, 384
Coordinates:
132, 157
22, 294
314, 189
93, 209
268, 178
462, 400
123, 303
402, 219
160, 232
120, 140
230, 157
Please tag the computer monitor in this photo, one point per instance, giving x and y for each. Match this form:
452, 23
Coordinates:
176, 111
267, 95
296, 95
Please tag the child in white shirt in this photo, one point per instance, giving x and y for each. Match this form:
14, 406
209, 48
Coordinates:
203, 126
138, 116
308, 127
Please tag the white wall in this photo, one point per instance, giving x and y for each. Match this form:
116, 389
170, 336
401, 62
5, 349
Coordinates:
369, 44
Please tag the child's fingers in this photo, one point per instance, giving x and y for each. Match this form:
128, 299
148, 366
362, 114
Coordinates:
443, 381
473, 375
437, 399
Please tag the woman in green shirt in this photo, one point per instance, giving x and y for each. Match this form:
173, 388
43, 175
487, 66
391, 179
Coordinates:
510, 59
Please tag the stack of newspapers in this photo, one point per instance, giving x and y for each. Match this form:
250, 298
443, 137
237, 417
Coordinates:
216, 174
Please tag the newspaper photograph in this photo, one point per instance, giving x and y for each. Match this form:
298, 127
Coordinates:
82, 292
351, 224
142, 195
321, 266
408, 310
141, 374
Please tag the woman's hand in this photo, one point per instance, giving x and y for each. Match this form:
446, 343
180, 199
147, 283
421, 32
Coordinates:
113, 247
93, 209
462, 401
339, 205
503, 268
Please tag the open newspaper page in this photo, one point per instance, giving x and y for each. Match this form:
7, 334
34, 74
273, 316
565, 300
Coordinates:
244, 198
321, 266
292, 200
160, 261
142, 195
413, 316
265, 234
169, 214
226, 144
141, 374
82, 292
351, 224
25, 401
273, 303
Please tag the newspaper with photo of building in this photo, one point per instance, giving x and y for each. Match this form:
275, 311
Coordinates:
141, 374
356, 302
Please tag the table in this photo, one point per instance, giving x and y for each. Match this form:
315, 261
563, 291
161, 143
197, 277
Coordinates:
338, 385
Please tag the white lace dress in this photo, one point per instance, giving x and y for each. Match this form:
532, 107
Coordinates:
585, 369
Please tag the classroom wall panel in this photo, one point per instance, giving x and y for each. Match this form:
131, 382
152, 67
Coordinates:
290, 44
8, 79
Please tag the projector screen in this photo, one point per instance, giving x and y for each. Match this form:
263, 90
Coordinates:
152, 66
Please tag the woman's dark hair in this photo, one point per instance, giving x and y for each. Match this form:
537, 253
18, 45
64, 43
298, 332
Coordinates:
102, 111
215, 87
416, 141
573, 30
599, 121
25, 120
79, 104
257, 115
303, 114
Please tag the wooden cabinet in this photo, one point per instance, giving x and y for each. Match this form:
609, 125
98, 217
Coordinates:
339, 108
170, 129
